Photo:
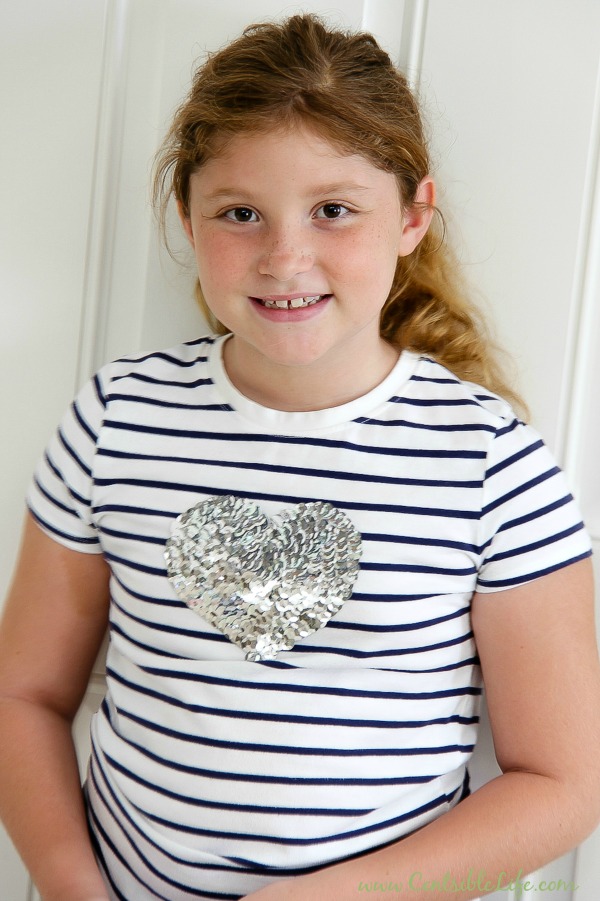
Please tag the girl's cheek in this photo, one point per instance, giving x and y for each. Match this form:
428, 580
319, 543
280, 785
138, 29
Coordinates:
218, 248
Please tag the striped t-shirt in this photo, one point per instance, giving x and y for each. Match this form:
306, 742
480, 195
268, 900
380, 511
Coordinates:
213, 774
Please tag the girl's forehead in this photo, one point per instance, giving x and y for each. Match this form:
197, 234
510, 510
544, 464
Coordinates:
282, 165
303, 139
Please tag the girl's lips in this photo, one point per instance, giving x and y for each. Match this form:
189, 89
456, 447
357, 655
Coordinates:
290, 309
290, 302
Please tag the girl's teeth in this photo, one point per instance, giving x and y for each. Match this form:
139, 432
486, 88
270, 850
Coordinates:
292, 304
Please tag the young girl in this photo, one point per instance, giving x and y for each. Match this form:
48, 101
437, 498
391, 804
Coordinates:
311, 536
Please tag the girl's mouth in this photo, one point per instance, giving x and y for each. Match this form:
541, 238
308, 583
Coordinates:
294, 303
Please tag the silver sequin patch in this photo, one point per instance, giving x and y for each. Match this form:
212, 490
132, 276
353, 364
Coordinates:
263, 583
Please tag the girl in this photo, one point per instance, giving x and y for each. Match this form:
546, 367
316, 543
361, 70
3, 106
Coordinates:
311, 536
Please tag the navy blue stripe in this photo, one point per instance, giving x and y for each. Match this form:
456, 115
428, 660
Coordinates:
171, 405
435, 401
168, 358
390, 598
458, 664
59, 532
522, 580
409, 568
402, 627
153, 380
99, 392
294, 470
159, 652
356, 596
291, 688
204, 339
427, 542
327, 839
392, 652
84, 501
255, 778
431, 427
84, 424
53, 500
147, 598
307, 648
211, 491
72, 453
535, 514
249, 437
433, 381
132, 536
296, 750
514, 458
52, 465
173, 630
235, 808
536, 545
510, 427
136, 511
520, 489
296, 718
138, 567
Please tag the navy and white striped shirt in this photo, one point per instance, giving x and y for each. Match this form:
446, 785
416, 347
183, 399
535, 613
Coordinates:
212, 775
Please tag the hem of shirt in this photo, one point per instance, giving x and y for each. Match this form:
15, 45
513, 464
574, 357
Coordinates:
519, 580
82, 545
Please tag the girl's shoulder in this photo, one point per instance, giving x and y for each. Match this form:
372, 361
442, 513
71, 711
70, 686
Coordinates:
156, 366
433, 384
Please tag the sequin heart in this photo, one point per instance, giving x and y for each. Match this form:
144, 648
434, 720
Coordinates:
263, 583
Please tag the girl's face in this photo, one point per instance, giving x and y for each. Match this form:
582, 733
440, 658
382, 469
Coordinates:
296, 245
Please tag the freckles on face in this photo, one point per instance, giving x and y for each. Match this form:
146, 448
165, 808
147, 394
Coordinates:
296, 243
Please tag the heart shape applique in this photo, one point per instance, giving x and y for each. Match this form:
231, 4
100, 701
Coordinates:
263, 583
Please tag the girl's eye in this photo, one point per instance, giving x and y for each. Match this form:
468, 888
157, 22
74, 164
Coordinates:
332, 211
241, 214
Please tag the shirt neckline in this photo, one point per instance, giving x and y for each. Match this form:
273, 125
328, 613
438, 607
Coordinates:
287, 421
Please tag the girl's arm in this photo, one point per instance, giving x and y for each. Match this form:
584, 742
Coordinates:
53, 624
537, 645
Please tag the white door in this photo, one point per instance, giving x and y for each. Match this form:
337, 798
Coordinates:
511, 95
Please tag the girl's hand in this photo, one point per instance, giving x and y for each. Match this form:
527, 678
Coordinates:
78, 897
277, 891
53, 623
302, 888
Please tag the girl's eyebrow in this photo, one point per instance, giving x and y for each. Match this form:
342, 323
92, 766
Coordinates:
326, 190
339, 188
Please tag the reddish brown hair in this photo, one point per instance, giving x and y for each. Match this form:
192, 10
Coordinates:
346, 88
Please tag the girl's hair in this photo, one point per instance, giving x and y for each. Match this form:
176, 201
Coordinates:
344, 87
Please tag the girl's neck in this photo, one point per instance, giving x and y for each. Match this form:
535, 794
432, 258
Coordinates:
302, 388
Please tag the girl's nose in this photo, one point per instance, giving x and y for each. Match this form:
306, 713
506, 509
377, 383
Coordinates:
285, 255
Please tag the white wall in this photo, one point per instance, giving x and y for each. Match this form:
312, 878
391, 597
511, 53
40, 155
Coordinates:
87, 88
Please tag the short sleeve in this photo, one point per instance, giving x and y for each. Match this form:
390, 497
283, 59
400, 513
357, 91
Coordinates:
530, 523
60, 493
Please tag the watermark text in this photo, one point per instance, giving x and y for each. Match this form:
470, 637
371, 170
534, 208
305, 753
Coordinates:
419, 882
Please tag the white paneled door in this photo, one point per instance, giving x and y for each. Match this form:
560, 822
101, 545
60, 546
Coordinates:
512, 99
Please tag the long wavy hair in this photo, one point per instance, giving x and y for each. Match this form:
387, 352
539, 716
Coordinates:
346, 88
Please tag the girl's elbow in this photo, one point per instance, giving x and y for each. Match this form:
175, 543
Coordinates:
581, 802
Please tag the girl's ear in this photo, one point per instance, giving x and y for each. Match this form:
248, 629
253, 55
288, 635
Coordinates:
186, 222
418, 217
